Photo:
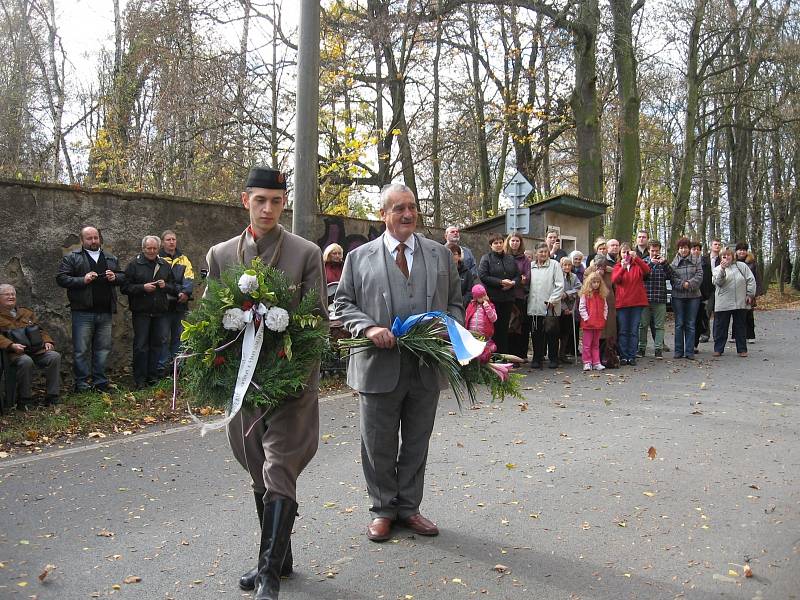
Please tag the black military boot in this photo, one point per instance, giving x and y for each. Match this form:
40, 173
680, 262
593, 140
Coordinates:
247, 581
276, 531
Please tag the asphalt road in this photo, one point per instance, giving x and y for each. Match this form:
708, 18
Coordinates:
553, 499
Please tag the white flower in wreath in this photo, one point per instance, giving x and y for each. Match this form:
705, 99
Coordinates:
248, 283
234, 319
276, 319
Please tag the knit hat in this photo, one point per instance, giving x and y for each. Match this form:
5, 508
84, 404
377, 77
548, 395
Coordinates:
478, 290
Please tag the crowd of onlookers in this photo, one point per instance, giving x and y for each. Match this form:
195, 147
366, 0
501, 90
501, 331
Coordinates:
601, 306
598, 307
158, 283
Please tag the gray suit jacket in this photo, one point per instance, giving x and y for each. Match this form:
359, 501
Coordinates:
363, 300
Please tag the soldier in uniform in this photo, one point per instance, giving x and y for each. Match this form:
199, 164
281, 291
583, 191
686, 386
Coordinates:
279, 446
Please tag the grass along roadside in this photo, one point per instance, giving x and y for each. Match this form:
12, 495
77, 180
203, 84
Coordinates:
98, 415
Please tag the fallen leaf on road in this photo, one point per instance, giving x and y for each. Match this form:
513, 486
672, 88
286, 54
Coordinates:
651, 453
551, 469
534, 515
733, 573
703, 385
116, 586
649, 494
105, 533
97, 434
754, 486
607, 401
150, 420
459, 445
748, 572
329, 505
523, 406
622, 523
500, 568
31, 435
43, 575
22, 583
511, 466
4, 455
132, 579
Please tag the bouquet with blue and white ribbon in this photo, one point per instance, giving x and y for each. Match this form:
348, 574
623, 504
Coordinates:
438, 340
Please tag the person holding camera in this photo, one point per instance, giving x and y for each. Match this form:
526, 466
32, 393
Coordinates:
734, 294
631, 297
554, 249
149, 282
91, 276
28, 345
655, 313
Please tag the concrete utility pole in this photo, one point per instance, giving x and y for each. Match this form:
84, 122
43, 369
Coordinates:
307, 139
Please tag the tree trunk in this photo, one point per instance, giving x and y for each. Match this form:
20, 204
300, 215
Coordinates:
480, 123
680, 205
627, 191
436, 168
584, 103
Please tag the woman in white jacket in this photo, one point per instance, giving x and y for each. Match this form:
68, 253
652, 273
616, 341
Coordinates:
546, 288
734, 293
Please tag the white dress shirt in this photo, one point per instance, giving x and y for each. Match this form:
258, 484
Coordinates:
391, 246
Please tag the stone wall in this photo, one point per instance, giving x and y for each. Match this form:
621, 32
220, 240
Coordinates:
41, 223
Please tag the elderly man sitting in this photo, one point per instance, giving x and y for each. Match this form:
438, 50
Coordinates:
27, 345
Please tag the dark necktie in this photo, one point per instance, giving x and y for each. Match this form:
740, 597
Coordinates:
400, 259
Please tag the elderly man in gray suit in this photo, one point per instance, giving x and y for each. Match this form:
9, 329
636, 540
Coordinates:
396, 275
274, 448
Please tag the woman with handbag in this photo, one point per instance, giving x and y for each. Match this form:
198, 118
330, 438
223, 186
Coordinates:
544, 306
27, 345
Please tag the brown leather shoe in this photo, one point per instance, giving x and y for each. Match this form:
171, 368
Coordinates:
380, 529
419, 524
743, 354
716, 354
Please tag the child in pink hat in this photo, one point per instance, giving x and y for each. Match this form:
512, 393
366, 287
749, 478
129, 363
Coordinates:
480, 318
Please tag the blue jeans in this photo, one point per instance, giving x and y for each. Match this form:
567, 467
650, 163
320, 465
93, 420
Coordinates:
173, 345
150, 335
685, 310
628, 331
91, 345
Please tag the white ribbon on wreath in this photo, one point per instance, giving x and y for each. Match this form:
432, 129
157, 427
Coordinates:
251, 350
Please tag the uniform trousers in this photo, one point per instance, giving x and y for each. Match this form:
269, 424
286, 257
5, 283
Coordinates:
274, 449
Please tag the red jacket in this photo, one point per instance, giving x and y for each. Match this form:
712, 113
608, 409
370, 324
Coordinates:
594, 311
629, 283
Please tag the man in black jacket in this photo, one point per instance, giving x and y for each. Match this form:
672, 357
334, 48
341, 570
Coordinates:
148, 283
91, 276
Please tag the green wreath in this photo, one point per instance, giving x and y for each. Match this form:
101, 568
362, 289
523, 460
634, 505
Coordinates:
213, 331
